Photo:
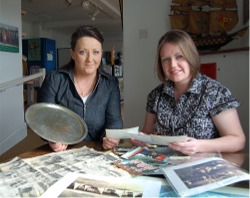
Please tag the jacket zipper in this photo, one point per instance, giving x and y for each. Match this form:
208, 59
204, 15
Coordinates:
84, 104
84, 109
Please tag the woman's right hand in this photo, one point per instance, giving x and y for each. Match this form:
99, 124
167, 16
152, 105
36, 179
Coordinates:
109, 143
57, 146
138, 142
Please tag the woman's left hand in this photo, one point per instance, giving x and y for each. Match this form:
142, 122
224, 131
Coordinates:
188, 147
109, 143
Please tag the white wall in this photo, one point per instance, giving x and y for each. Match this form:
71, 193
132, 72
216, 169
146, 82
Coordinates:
142, 16
12, 125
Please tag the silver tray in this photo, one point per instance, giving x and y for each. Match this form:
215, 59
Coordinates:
56, 123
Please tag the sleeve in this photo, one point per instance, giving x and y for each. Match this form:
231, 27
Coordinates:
152, 99
47, 92
221, 100
113, 119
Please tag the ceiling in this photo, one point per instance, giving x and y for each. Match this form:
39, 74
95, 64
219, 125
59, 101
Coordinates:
65, 15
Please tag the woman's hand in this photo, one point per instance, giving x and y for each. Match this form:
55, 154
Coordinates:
58, 146
109, 143
188, 147
137, 142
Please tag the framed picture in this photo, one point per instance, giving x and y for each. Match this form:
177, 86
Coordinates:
9, 39
117, 71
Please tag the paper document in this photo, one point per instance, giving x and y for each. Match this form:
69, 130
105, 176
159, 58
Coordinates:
133, 132
165, 140
85, 185
122, 133
203, 175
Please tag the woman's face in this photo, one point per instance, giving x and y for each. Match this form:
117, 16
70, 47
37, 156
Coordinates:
87, 55
174, 64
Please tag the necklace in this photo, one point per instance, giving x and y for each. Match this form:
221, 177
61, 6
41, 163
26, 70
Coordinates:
82, 92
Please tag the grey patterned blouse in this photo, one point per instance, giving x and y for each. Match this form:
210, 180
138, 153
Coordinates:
192, 114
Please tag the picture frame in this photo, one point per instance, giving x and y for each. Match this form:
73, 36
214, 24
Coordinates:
9, 38
117, 71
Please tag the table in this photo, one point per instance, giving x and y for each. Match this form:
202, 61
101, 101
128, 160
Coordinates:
240, 158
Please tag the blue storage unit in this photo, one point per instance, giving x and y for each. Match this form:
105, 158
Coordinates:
41, 53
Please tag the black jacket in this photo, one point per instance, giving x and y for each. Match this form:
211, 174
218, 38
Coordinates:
102, 108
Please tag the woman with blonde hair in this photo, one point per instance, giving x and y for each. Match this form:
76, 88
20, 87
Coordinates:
190, 103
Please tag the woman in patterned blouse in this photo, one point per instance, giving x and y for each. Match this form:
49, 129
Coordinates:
190, 103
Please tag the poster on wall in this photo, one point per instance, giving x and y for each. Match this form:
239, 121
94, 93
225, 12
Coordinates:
9, 40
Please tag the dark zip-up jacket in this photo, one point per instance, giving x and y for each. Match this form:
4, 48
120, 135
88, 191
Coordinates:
102, 109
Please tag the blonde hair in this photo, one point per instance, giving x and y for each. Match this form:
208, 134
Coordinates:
186, 45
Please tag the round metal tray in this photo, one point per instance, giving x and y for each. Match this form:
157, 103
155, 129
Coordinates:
56, 123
